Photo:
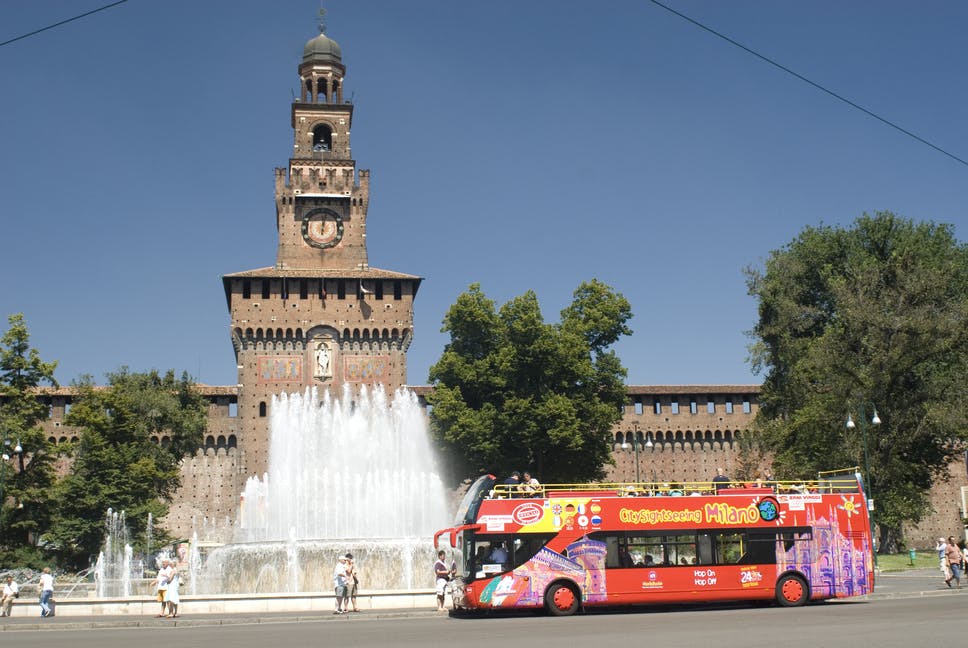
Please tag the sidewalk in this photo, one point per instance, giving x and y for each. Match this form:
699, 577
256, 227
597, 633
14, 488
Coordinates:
907, 584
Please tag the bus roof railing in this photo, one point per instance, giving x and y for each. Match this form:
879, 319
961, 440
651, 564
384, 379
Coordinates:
674, 489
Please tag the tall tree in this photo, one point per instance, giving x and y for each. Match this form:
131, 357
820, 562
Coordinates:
27, 475
874, 316
512, 392
134, 433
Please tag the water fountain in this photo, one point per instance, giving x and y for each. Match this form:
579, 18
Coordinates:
344, 475
115, 567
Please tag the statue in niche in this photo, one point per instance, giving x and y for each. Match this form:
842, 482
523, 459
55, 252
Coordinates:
323, 369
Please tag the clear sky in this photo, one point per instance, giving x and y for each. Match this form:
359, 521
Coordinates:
521, 145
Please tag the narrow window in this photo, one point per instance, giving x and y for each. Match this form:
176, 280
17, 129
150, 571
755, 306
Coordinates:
303, 289
675, 407
262, 409
658, 406
379, 289
729, 407
233, 409
341, 289
638, 406
265, 289
398, 290
246, 288
711, 406
747, 408
693, 407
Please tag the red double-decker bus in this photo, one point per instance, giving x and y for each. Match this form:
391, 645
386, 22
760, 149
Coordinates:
573, 546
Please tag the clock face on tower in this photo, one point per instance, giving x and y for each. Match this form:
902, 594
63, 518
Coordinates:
322, 228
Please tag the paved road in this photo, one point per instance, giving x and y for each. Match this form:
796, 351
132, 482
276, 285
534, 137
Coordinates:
907, 609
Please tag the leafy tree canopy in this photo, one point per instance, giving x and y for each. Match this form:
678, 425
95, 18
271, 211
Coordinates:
27, 476
512, 392
134, 434
852, 319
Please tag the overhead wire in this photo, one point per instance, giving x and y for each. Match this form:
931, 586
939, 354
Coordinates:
63, 22
806, 80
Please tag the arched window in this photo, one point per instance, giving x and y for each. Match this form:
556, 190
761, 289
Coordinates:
322, 139
262, 409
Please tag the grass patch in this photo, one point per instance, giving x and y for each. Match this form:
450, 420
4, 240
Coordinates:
901, 562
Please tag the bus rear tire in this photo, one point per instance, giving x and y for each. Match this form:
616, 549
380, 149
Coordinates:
562, 599
791, 591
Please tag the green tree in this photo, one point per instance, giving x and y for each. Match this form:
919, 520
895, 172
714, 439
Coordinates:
27, 476
853, 319
512, 392
134, 433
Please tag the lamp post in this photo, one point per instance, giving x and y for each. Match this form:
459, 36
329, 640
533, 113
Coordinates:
868, 490
17, 450
637, 445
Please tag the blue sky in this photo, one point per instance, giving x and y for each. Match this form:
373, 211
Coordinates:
521, 145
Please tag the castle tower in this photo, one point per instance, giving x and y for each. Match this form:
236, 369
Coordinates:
321, 316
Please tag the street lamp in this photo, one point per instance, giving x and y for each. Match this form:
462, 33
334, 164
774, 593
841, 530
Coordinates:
637, 445
868, 489
17, 450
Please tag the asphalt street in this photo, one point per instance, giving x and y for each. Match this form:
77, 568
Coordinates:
914, 584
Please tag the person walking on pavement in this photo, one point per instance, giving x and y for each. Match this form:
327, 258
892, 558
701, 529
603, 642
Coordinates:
46, 592
943, 560
953, 555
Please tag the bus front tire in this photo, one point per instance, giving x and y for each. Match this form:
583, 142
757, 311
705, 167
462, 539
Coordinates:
791, 591
561, 599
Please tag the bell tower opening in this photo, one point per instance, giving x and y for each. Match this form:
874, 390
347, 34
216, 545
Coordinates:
322, 139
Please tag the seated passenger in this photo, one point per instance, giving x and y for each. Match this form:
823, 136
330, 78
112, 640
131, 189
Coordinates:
649, 560
531, 486
498, 554
624, 558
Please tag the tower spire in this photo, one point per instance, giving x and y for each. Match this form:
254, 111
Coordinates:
322, 21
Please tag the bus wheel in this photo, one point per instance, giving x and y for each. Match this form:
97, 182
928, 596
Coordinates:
561, 600
791, 591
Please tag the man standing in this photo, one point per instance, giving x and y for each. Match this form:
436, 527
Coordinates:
953, 554
442, 576
10, 591
46, 592
720, 481
339, 583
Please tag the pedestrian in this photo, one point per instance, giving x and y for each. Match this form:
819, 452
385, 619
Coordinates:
339, 584
172, 597
46, 593
941, 548
442, 575
161, 587
953, 555
11, 591
352, 582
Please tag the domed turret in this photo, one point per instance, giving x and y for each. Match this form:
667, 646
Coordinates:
322, 49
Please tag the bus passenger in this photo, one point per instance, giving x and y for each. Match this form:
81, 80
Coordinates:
624, 558
498, 554
513, 484
720, 481
530, 485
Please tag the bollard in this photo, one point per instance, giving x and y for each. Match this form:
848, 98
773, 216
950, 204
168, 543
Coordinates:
911, 555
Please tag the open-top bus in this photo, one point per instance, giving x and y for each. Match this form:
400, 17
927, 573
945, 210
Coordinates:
565, 547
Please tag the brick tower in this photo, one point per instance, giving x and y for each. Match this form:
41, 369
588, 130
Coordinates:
321, 316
